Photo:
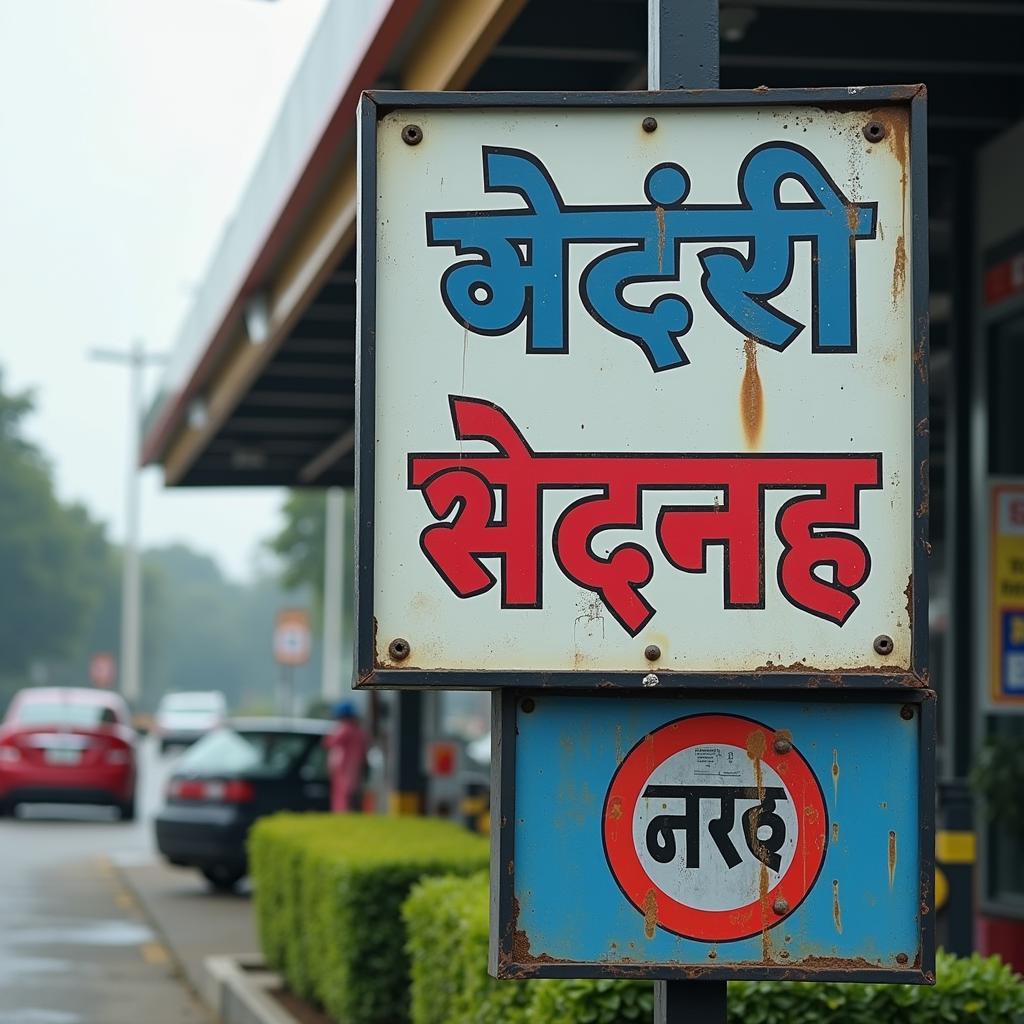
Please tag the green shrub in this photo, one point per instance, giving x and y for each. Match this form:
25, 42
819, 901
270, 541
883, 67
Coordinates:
591, 1002
966, 989
447, 925
978, 989
446, 919
328, 894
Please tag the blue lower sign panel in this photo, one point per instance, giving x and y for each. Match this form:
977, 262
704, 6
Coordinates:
691, 837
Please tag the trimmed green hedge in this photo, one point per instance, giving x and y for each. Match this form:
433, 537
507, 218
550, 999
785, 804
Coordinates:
446, 920
328, 895
447, 927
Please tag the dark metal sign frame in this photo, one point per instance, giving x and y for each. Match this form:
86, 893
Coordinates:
507, 942
374, 670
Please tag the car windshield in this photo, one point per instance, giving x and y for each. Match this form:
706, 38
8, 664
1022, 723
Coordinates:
52, 712
267, 755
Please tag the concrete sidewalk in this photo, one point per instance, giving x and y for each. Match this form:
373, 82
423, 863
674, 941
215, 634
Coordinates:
194, 921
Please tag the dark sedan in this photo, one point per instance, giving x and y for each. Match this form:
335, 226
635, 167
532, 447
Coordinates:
231, 777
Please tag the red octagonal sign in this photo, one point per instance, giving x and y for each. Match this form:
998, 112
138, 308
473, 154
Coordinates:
715, 827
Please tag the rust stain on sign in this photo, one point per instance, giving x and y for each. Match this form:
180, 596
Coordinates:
837, 914
766, 933
615, 809
852, 217
757, 743
650, 913
835, 775
751, 396
899, 270
835, 831
897, 135
892, 858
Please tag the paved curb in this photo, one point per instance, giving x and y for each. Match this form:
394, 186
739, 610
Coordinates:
238, 991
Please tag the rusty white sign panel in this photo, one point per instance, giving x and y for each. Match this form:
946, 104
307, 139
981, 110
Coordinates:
638, 390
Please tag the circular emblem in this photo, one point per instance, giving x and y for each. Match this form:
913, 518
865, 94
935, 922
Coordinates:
715, 827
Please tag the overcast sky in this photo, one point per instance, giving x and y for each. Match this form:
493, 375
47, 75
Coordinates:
128, 129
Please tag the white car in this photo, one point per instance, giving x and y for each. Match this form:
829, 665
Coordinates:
181, 718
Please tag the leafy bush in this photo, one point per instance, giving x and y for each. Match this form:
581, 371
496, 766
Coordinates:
591, 1002
969, 989
328, 895
447, 926
446, 920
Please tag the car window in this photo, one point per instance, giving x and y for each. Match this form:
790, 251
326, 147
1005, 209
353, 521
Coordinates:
53, 712
191, 702
261, 754
314, 768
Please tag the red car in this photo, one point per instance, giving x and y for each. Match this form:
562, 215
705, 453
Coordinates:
67, 745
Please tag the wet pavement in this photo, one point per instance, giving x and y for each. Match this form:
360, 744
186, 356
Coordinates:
75, 946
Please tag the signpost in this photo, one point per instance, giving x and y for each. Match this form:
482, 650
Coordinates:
103, 669
292, 643
642, 445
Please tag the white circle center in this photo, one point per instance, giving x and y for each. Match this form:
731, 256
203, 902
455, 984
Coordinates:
709, 832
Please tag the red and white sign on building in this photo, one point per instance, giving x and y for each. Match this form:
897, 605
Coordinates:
103, 669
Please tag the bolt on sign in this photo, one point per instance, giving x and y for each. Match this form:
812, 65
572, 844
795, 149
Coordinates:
638, 378
292, 636
643, 411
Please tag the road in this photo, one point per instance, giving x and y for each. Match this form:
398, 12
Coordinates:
75, 948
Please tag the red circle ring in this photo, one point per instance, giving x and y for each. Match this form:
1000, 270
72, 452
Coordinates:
637, 886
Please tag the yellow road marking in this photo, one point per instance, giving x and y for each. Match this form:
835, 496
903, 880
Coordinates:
154, 953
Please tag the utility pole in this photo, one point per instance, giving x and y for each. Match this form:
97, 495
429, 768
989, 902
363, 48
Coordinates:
335, 510
136, 359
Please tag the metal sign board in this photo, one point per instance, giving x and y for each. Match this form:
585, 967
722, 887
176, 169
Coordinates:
1005, 597
642, 388
293, 637
716, 837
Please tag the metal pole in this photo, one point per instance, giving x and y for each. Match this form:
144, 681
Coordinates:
695, 1002
334, 570
137, 359
131, 589
682, 44
683, 53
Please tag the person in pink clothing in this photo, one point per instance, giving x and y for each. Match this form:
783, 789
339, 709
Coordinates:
346, 747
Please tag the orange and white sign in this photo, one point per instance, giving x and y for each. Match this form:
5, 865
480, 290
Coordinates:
292, 637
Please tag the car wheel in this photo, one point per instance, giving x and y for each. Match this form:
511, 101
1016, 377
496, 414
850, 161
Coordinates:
222, 877
6, 809
127, 810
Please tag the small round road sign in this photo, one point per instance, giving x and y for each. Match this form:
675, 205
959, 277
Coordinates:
713, 829
292, 637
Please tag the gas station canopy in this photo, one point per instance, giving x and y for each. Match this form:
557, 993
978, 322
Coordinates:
260, 389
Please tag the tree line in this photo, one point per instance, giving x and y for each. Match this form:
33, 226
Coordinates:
60, 595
